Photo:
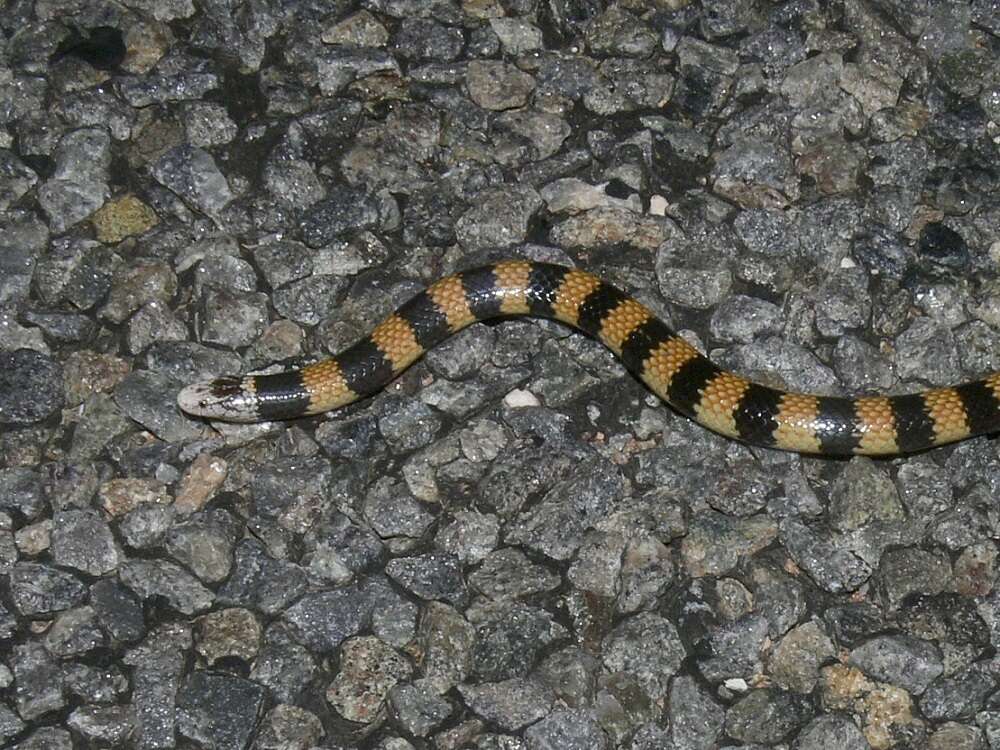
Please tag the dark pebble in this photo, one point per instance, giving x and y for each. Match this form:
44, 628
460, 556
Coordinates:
943, 246
219, 710
119, 611
31, 387
42, 590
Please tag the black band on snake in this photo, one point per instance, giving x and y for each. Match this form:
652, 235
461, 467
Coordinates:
675, 371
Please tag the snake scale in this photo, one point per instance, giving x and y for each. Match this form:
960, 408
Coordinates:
675, 371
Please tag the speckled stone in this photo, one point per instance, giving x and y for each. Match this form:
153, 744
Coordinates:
30, 387
218, 695
530, 549
124, 217
368, 670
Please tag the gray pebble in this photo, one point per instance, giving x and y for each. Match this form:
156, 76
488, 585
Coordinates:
204, 544
734, 649
110, 725
75, 632
78, 186
571, 675
287, 489
39, 681
323, 620
409, 425
832, 731
336, 70
434, 576
18, 179
511, 638
343, 210
181, 590
21, 491
283, 665
715, 541
742, 319
157, 663
147, 525
234, 320
193, 175
498, 218
220, 270
136, 285
206, 697
118, 610
910, 663
509, 574
695, 717
798, 656
926, 351
862, 368
150, 399
497, 85
153, 322
62, 327
755, 174
556, 525
426, 39
832, 568
618, 32
766, 716
10, 724
863, 494
30, 387
470, 536
393, 512
208, 124
39, 589
568, 730
261, 582
283, 261
416, 711
647, 646
153, 89
309, 301
354, 546
287, 726
905, 571
348, 437
958, 697
83, 541
462, 355
185, 361
511, 704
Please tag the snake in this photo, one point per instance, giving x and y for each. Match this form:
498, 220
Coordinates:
672, 368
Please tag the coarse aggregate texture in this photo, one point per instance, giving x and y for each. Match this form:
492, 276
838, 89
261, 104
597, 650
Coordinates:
515, 546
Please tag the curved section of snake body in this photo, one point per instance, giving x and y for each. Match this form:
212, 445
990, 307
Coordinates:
675, 371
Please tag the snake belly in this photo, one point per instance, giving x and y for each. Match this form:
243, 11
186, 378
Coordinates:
672, 368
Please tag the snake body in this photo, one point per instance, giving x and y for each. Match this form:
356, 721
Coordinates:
672, 368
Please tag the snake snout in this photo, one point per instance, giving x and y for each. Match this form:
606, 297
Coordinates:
223, 398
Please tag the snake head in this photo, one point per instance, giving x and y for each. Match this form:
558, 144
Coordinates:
229, 399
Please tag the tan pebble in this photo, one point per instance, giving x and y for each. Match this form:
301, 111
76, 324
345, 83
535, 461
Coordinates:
203, 478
